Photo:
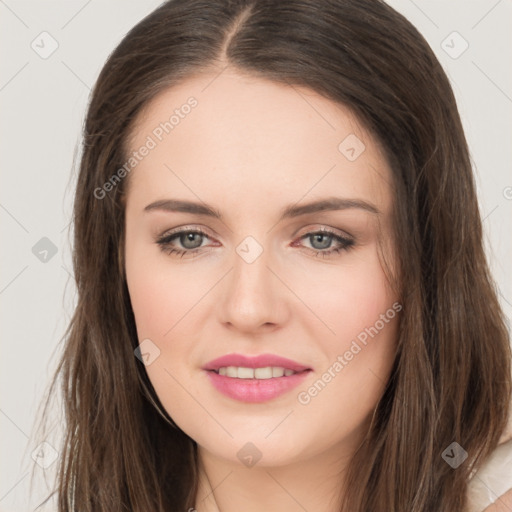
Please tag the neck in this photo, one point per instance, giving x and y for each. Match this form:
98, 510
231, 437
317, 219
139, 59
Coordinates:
313, 483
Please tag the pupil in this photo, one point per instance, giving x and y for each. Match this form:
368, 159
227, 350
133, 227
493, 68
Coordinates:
326, 241
188, 240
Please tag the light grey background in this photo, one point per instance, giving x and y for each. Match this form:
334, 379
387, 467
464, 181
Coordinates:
43, 102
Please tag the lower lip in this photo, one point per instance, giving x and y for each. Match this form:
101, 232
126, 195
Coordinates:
255, 390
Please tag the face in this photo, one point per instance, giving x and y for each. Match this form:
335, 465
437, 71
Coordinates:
253, 224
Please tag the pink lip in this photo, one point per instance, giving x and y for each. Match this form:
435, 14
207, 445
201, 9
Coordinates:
261, 361
255, 390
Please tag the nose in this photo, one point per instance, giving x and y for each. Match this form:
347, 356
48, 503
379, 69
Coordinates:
253, 298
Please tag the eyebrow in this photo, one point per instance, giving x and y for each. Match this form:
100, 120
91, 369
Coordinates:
328, 204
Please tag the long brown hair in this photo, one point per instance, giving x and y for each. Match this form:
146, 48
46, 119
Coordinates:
451, 379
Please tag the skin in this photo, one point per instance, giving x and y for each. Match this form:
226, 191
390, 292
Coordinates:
503, 504
250, 148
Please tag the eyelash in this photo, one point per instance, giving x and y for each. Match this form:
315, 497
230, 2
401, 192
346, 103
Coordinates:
165, 243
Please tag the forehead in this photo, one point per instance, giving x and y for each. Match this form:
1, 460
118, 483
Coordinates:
233, 133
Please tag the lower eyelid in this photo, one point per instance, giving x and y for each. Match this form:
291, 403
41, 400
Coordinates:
168, 239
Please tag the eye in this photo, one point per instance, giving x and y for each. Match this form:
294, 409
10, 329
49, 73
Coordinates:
190, 240
187, 241
321, 242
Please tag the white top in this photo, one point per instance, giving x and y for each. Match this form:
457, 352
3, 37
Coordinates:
492, 480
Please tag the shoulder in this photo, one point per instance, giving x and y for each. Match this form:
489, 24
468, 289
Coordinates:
490, 488
502, 504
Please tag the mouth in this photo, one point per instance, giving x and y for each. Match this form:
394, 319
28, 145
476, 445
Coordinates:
255, 379
262, 373
264, 366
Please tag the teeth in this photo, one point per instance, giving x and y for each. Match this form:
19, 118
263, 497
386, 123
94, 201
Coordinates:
278, 372
244, 373
231, 371
240, 372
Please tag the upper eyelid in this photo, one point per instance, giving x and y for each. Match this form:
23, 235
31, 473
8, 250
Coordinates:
334, 232
204, 232
185, 229
324, 229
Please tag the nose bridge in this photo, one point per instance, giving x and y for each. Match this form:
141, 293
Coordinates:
253, 297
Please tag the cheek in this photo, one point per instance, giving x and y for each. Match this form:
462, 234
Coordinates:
161, 296
362, 314
352, 299
154, 304
160, 293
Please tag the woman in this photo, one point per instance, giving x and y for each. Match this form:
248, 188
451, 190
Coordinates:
284, 301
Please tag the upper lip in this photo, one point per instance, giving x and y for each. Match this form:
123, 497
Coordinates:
260, 361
